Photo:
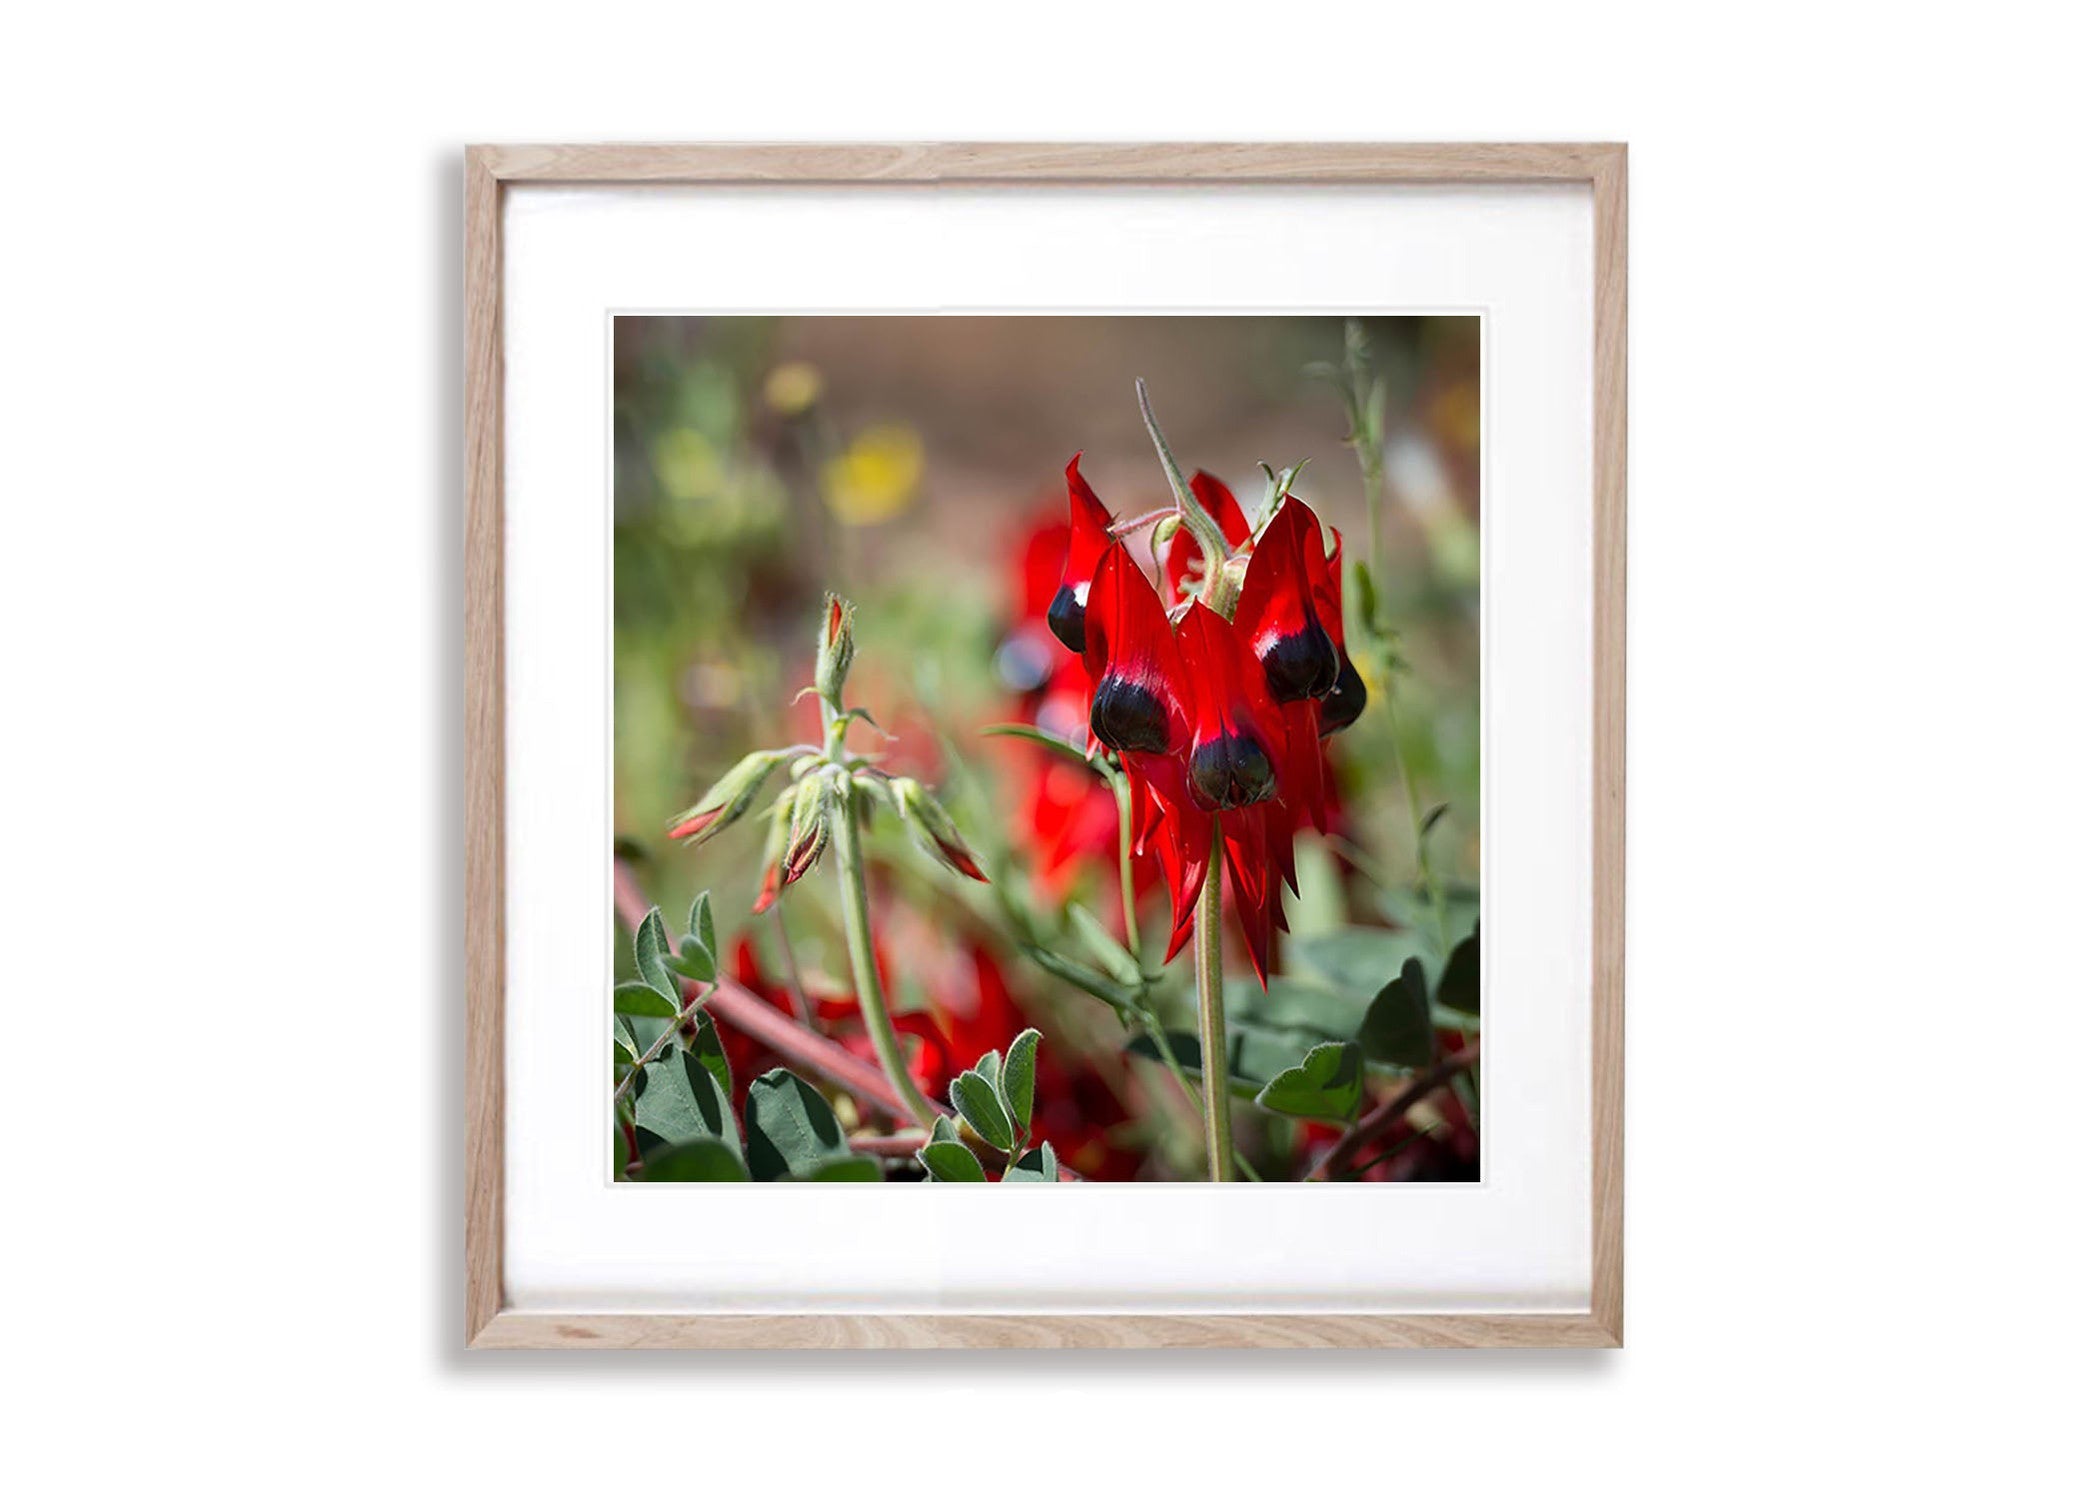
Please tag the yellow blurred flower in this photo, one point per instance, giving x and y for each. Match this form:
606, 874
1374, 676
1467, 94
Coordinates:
876, 477
792, 388
687, 465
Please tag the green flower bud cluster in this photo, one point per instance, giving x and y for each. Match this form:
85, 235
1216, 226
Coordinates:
824, 785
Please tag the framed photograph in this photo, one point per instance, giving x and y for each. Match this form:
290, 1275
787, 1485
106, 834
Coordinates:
1045, 745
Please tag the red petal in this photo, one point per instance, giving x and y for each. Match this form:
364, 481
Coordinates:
1231, 699
1276, 614
1255, 899
1133, 660
1088, 542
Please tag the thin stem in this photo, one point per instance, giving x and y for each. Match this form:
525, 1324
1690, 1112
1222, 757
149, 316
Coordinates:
792, 971
860, 945
1209, 990
1139, 522
626, 1084
1125, 819
1392, 1108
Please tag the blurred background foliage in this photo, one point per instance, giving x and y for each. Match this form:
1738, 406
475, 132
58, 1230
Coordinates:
908, 463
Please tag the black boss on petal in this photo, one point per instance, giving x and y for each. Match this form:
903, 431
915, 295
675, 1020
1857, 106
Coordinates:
1129, 717
1300, 665
1344, 704
1067, 618
1230, 771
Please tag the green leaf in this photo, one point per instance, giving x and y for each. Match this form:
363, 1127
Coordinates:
1047, 741
682, 1100
623, 1037
1107, 952
1118, 997
977, 1100
1038, 1165
951, 1161
1301, 1009
1017, 1080
694, 960
841, 1168
1358, 961
707, 1046
619, 1152
787, 1126
696, 951
1188, 1051
944, 1129
702, 1159
644, 1028
1396, 1028
1460, 985
641, 999
1327, 1084
652, 957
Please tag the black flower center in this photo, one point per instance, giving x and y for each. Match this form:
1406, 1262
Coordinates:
1344, 704
1067, 619
1300, 665
1230, 771
1127, 716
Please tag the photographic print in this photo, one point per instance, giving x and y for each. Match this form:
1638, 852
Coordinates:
1046, 749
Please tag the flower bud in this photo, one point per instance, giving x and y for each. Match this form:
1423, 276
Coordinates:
834, 648
775, 849
728, 798
808, 828
931, 828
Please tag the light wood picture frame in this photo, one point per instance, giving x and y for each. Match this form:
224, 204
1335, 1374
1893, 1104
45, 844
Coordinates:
493, 171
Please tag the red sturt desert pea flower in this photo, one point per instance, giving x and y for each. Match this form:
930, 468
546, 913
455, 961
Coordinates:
1218, 720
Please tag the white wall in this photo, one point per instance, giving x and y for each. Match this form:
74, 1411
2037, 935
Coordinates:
1862, 996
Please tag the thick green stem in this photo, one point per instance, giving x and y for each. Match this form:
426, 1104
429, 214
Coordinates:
1209, 992
860, 945
1198, 521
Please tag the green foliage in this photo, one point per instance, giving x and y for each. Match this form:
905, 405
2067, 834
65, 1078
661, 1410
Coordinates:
700, 1159
996, 1099
696, 948
789, 1127
652, 958
681, 1099
947, 1159
641, 999
1396, 1027
1327, 1084
1459, 987
978, 1102
1017, 1080
1037, 1165
1358, 961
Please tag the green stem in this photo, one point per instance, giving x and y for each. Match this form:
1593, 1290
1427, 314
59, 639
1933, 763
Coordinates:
1149, 1016
1209, 990
655, 1049
1207, 533
1125, 819
860, 946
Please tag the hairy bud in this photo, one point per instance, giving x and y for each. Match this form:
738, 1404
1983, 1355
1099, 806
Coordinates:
808, 828
931, 828
728, 798
834, 648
